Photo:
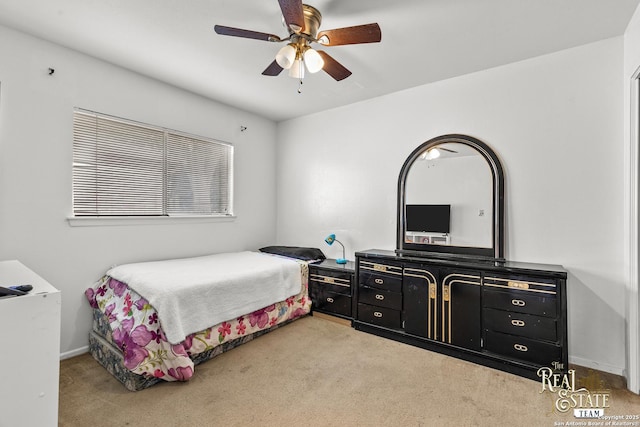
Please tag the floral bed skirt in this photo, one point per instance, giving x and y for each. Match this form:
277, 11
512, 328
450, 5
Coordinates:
127, 338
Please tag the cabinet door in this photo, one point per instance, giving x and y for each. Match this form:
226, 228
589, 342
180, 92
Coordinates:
461, 311
420, 294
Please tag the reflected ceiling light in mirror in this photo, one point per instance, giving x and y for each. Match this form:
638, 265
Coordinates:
430, 154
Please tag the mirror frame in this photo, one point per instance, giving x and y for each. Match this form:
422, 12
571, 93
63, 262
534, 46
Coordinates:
497, 250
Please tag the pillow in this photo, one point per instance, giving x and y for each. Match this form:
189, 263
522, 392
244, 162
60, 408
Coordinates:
297, 252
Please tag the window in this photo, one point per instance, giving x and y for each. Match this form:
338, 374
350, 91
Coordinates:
125, 168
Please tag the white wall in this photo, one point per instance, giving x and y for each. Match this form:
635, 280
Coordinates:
631, 119
35, 171
556, 123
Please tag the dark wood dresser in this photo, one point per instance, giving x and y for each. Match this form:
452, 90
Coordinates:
331, 288
510, 316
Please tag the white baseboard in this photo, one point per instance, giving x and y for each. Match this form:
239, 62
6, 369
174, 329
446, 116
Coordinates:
73, 353
616, 370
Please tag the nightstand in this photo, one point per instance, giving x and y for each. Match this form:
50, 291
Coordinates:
331, 288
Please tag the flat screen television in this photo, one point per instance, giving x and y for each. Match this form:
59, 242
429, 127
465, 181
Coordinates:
428, 218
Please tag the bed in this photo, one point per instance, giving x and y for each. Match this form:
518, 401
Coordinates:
148, 317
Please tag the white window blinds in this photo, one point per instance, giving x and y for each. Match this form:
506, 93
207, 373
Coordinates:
124, 168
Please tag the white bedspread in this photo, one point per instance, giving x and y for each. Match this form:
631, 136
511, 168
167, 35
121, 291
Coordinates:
193, 294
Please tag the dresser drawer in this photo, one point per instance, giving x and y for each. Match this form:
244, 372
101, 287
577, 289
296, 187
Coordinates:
520, 301
380, 316
336, 282
521, 281
525, 349
525, 325
381, 276
331, 302
524, 294
380, 297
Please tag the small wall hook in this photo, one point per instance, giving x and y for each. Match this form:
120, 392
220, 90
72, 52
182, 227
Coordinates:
51, 71
243, 128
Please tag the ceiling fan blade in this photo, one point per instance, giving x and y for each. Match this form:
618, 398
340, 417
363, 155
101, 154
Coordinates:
272, 70
333, 67
368, 33
293, 14
247, 34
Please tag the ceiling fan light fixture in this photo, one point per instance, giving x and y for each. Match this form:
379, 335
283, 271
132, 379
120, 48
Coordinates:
297, 70
324, 40
313, 60
286, 56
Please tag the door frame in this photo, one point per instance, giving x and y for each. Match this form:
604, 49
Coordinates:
633, 300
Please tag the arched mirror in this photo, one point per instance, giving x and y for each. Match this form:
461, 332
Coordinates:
451, 199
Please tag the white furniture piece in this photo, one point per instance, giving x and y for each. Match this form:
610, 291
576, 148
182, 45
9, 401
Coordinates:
428, 238
30, 356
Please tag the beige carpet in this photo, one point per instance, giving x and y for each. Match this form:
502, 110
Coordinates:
316, 372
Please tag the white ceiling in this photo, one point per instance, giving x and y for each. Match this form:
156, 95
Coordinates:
422, 41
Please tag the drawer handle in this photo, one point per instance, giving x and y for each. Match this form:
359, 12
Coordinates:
379, 297
520, 347
432, 290
517, 322
377, 314
517, 285
329, 299
518, 302
445, 293
379, 281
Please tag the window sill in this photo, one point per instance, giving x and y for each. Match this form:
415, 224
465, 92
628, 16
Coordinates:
99, 221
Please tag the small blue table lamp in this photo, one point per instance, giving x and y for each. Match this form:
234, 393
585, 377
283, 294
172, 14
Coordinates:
332, 238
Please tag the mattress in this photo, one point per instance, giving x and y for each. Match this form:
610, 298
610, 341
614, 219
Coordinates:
191, 294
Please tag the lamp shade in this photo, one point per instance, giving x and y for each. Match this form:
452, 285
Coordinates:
286, 56
313, 60
297, 70
330, 239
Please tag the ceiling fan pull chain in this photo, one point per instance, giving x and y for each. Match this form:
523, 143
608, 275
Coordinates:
300, 87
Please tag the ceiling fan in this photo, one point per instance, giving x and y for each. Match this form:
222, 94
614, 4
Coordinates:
303, 22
